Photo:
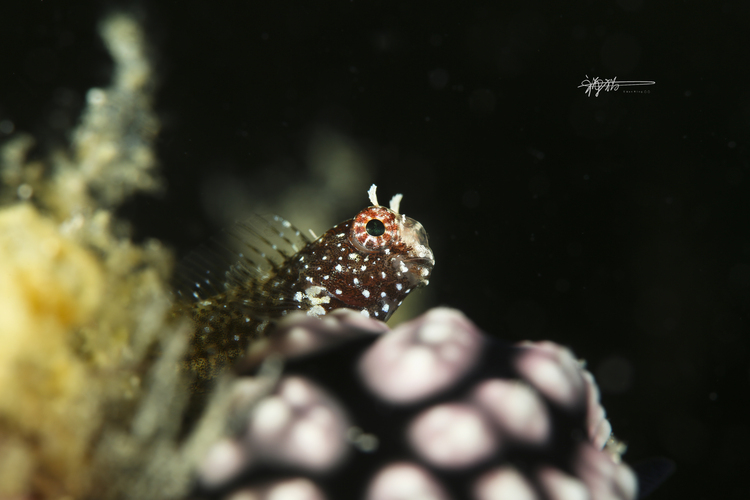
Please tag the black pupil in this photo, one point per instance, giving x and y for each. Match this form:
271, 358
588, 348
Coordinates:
375, 227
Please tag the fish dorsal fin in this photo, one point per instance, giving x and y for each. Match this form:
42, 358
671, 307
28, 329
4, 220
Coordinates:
245, 255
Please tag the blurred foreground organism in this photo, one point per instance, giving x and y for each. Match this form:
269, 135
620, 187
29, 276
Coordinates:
83, 411
432, 409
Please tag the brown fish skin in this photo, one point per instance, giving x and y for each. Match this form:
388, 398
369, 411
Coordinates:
369, 263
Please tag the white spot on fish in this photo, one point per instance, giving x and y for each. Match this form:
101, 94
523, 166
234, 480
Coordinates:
382, 294
363, 268
399, 286
339, 268
366, 293
365, 313
316, 311
338, 292
356, 281
385, 308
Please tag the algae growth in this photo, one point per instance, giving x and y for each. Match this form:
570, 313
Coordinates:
84, 411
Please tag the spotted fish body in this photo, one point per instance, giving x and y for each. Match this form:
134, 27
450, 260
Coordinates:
369, 263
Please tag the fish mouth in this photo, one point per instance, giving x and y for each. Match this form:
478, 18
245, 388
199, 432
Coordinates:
427, 262
419, 270
415, 238
418, 259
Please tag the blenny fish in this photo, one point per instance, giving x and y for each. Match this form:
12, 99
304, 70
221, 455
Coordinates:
369, 263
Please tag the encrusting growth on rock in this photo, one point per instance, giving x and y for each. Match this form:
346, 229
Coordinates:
84, 412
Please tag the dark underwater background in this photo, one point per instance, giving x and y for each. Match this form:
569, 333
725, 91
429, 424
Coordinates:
617, 224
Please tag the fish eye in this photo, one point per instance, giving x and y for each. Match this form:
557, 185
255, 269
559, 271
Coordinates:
375, 227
